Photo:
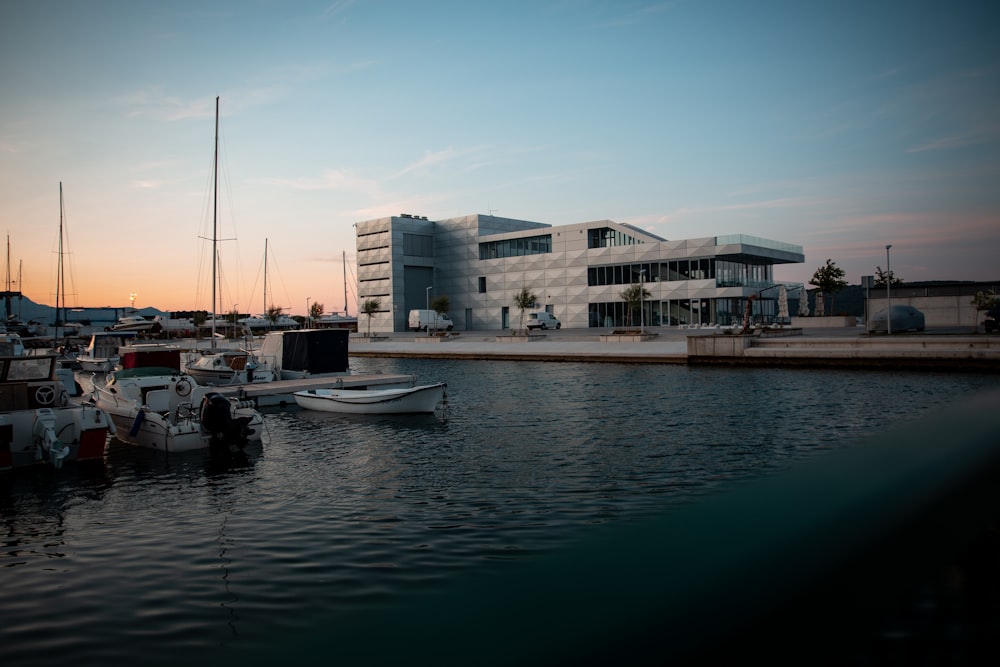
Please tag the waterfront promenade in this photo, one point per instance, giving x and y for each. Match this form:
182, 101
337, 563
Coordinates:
944, 349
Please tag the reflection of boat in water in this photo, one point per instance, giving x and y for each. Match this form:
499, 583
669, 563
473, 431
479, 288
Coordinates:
422, 398
38, 423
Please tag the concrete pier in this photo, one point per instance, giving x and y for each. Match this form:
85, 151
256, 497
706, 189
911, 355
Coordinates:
946, 349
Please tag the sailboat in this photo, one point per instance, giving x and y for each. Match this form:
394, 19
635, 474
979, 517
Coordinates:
39, 421
265, 322
159, 408
341, 320
224, 367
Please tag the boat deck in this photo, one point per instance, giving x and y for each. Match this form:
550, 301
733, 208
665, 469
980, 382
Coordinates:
279, 393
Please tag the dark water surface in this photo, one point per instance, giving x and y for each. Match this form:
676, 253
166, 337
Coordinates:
149, 559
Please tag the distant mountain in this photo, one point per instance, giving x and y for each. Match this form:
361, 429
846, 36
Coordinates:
24, 309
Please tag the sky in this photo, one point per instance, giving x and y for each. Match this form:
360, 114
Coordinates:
842, 127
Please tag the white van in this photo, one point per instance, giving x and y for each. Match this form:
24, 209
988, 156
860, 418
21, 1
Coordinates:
542, 320
422, 320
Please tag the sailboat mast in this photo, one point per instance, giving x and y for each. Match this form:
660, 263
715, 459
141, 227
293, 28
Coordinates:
6, 294
215, 218
265, 278
60, 276
346, 312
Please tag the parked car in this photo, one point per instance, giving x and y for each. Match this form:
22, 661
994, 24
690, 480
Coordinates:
422, 320
542, 320
992, 321
904, 318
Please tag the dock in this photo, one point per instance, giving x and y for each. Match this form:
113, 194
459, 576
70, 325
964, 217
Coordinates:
279, 393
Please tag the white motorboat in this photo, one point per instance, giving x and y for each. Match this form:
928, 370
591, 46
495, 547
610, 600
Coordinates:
39, 423
229, 367
262, 323
160, 408
102, 353
422, 398
135, 323
337, 321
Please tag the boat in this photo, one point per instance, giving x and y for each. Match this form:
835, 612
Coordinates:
259, 323
342, 319
38, 421
294, 355
136, 323
102, 353
161, 408
337, 320
408, 400
229, 367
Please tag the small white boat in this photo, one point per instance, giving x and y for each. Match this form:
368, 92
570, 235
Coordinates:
422, 398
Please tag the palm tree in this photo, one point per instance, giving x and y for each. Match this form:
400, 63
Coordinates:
369, 308
439, 305
523, 300
634, 296
273, 313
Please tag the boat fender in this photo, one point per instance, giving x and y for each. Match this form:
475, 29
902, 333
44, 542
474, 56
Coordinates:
183, 387
139, 418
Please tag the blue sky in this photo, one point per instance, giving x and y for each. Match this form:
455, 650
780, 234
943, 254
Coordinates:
841, 127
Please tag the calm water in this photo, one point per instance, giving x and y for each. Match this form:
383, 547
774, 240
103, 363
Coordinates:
144, 559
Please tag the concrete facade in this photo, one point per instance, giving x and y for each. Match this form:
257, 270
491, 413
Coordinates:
577, 271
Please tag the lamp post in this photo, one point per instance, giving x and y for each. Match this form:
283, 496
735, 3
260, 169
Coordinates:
428, 295
642, 313
308, 316
888, 299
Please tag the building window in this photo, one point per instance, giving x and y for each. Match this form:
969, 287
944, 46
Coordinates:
418, 245
482, 284
529, 245
606, 237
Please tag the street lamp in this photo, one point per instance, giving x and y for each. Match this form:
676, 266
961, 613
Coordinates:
888, 300
308, 316
642, 314
428, 294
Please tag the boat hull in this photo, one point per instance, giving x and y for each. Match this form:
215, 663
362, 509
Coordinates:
82, 429
167, 412
420, 399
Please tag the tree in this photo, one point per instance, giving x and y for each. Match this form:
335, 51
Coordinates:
273, 313
524, 300
634, 296
829, 279
882, 276
369, 308
440, 306
315, 311
984, 301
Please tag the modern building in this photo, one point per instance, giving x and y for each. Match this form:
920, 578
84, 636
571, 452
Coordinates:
578, 272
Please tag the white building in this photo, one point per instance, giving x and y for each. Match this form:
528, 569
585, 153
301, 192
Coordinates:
578, 272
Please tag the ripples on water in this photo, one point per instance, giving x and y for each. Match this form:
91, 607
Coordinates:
148, 559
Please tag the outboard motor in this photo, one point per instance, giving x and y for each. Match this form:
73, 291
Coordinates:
217, 419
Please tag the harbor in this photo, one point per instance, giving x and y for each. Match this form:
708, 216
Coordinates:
335, 527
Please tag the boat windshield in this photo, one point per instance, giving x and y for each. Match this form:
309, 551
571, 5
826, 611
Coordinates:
21, 369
